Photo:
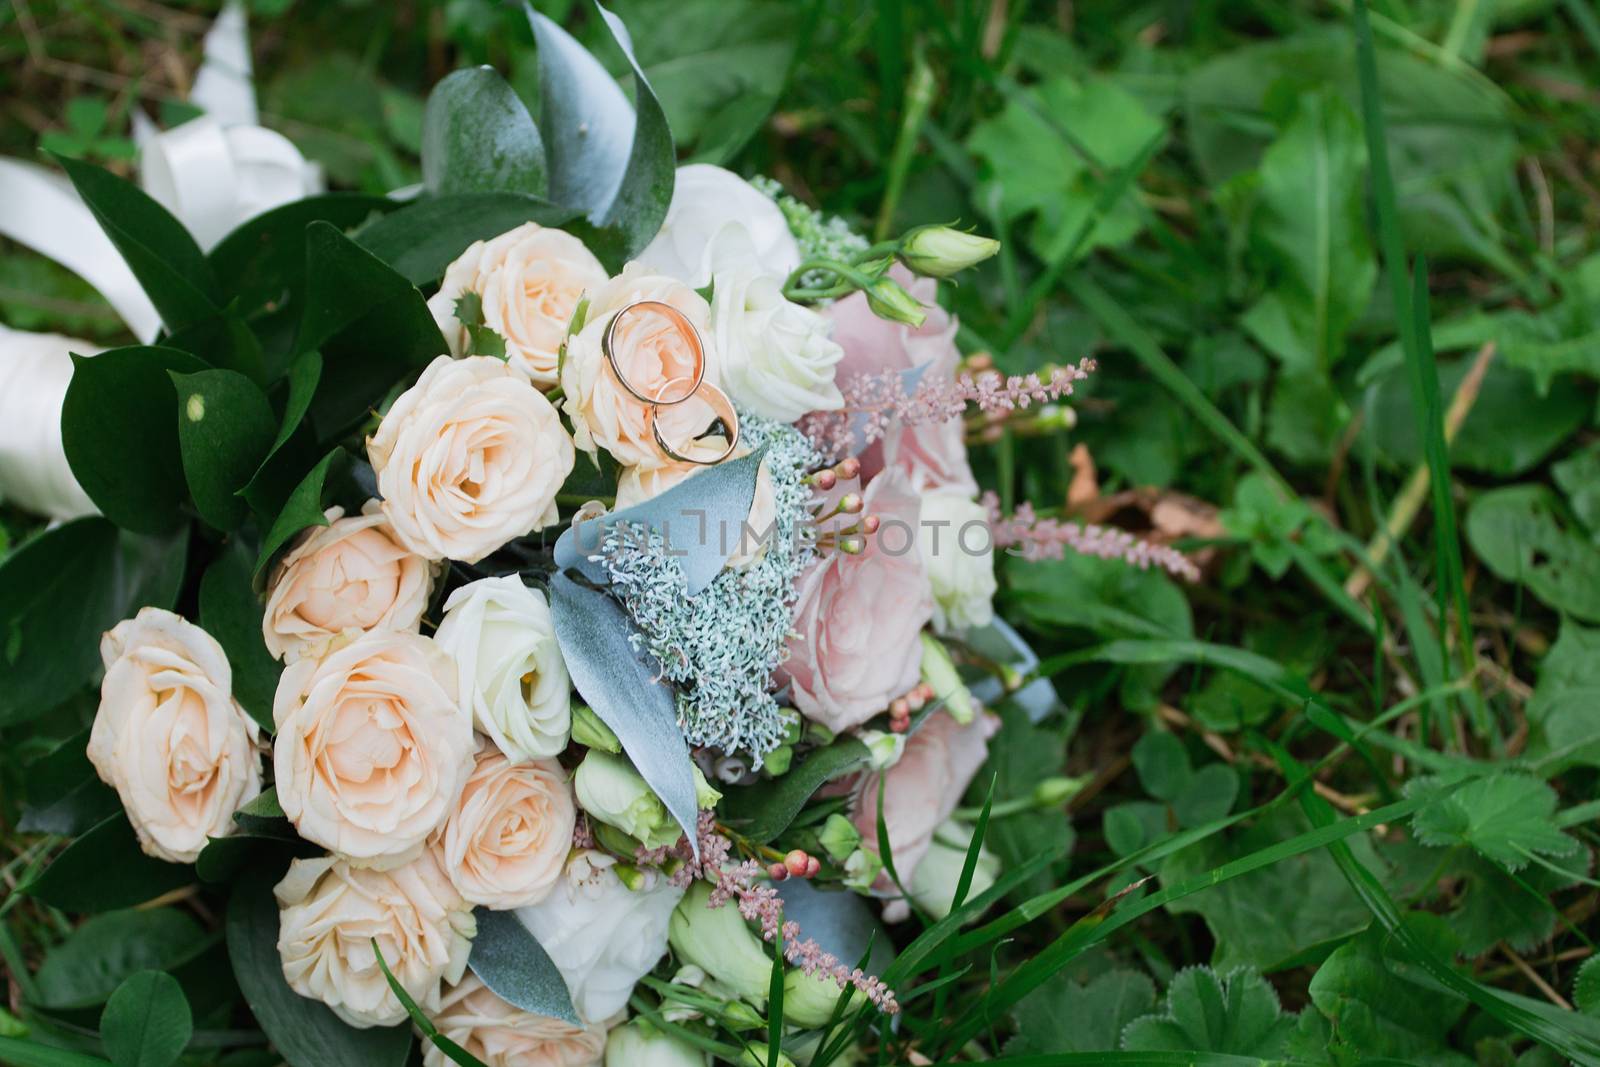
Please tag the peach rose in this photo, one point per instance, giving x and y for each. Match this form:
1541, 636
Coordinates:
169, 737
372, 750
507, 840
924, 786
502, 1035
469, 458
653, 354
934, 454
531, 279
635, 485
329, 913
349, 575
859, 617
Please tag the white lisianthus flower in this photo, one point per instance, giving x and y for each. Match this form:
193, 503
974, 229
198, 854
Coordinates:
502, 1035
530, 279
721, 943
959, 549
778, 358
510, 676
469, 458
330, 913
169, 737
933, 884
705, 201
638, 1044
602, 936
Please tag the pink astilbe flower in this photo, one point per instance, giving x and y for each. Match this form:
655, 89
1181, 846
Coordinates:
875, 402
1035, 538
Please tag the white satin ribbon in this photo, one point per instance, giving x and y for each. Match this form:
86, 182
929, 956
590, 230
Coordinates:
34, 475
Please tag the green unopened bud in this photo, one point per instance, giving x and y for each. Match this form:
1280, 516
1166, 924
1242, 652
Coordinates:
719, 942
939, 671
818, 734
737, 1015
589, 731
933, 884
611, 791
888, 300
839, 837
629, 875
794, 727
757, 1057
808, 999
940, 251
705, 794
1053, 792
778, 760
883, 748
861, 870
638, 1044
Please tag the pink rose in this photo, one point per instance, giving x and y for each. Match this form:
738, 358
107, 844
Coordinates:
934, 454
923, 788
859, 617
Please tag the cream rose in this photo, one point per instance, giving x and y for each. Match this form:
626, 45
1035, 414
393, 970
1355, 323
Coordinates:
502, 1035
169, 737
371, 751
777, 358
349, 575
655, 356
329, 914
602, 936
510, 675
469, 458
708, 201
635, 485
959, 549
507, 840
531, 279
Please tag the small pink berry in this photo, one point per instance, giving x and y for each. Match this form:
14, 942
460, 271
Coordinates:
899, 726
870, 524
824, 480
849, 468
851, 503
914, 699
813, 867
797, 862
900, 708
778, 872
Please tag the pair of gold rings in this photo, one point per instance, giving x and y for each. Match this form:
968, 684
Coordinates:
675, 391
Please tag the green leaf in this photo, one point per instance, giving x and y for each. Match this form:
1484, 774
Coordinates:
1021, 754
306, 1033
1237, 1013
422, 239
147, 1022
1506, 817
1564, 713
612, 164
157, 247
225, 429
1586, 987
1519, 531
1162, 765
279, 472
85, 968
76, 879
1065, 1015
1492, 906
263, 260
371, 325
513, 964
231, 612
59, 592
764, 810
119, 428
304, 508
64, 794
1579, 477
477, 136
1312, 229
1379, 1001
19, 1053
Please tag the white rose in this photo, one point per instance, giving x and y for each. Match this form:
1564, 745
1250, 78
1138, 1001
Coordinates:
510, 675
371, 751
35, 369
469, 458
656, 357
706, 200
531, 279
638, 1044
168, 735
349, 575
777, 359
329, 914
959, 549
502, 1035
507, 840
602, 936
746, 546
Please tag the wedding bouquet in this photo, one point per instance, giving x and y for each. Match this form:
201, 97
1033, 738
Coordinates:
554, 607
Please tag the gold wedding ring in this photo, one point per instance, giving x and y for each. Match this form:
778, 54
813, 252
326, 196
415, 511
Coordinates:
675, 390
